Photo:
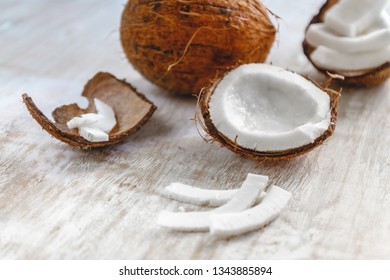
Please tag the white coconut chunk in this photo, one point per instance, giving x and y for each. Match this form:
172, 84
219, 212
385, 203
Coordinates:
377, 37
108, 121
202, 197
246, 195
92, 125
93, 134
333, 60
224, 225
266, 108
84, 120
198, 196
184, 221
199, 221
352, 17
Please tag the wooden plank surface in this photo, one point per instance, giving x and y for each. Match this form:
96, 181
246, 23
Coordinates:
60, 203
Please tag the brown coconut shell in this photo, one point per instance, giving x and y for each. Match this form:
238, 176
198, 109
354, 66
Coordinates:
132, 110
366, 77
181, 45
209, 127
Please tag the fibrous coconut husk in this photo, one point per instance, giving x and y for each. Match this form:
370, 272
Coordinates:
181, 45
367, 77
132, 110
208, 126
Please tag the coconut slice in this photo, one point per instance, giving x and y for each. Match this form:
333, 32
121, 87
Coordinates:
334, 60
84, 120
93, 134
224, 225
108, 122
375, 38
197, 196
352, 17
199, 221
132, 111
95, 127
265, 112
361, 77
202, 197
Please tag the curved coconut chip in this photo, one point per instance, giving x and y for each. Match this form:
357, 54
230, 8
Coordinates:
132, 110
367, 77
209, 127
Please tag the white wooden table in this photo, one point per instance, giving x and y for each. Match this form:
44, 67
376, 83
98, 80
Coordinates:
57, 202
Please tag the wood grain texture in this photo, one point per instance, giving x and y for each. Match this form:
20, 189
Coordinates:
61, 203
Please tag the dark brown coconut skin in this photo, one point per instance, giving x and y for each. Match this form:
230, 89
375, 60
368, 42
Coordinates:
210, 129
181, 45
132, 110
369, 77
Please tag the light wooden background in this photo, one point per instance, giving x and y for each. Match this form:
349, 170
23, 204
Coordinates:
60, 203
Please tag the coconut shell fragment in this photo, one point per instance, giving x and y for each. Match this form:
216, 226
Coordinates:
366, 77
210, 127
132, 110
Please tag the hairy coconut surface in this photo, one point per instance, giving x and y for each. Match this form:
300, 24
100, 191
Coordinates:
366, 77
132, 111
181, 45
211, 129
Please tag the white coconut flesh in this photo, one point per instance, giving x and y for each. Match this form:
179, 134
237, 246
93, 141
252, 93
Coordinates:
199, 221
202, 197
352, 17
95, 127
375, 38
225, 225
198, 196
108, 121
266, 108
93, 134
330, 59
84, 120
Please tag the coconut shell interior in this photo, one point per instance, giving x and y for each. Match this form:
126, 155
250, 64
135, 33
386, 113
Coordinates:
210, 129
132, 110
367, 77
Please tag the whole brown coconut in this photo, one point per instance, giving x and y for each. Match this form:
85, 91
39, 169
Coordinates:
181, 45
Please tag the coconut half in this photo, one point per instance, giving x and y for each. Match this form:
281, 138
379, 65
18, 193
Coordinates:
266, 112
370, 76
132, 110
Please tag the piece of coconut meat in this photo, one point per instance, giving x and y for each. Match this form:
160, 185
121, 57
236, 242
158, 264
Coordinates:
202, 197
375, 38
95, 127
108, 121
352, 17
266, 108
84, 120
93, 134
197, 196
333, 60
225, 225
199, 221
